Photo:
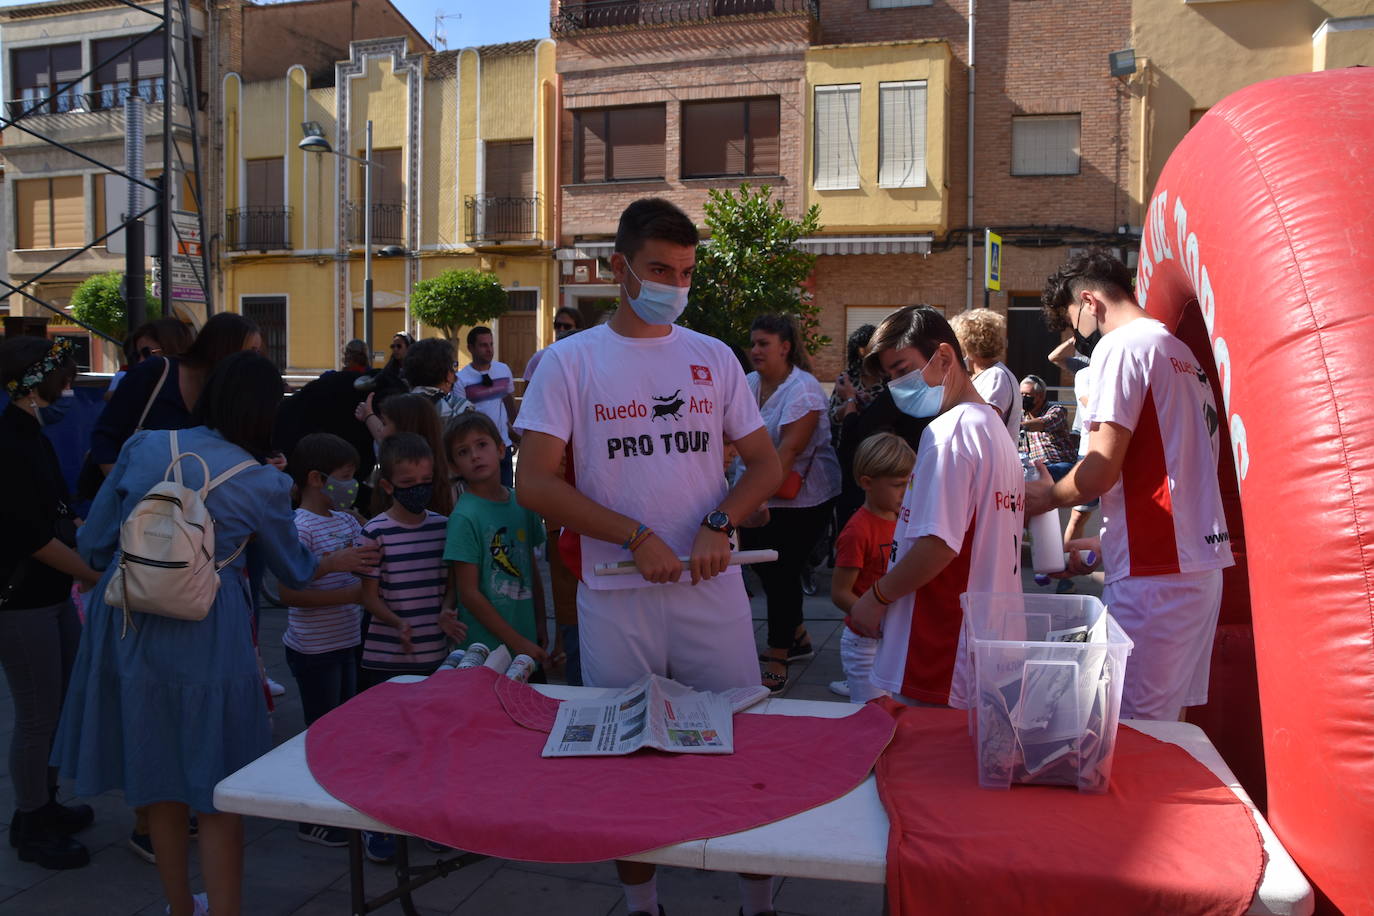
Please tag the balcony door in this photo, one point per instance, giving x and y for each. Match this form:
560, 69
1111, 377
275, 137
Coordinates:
506, 210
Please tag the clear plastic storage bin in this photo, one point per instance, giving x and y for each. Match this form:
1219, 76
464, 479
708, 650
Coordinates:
1047, 673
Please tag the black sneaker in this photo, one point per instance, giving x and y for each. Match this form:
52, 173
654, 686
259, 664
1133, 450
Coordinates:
322, 835
142, 846
40, 842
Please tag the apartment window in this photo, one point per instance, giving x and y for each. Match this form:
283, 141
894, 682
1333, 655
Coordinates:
902, 134
1045, 145
509, 169
618, 144
895, 4
51, 212
730, 138
389, 181
38, 74
135, 70
837, 137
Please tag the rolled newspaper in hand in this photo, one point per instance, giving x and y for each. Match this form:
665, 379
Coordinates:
738, 558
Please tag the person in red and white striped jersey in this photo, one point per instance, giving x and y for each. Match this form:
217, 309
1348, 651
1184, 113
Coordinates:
1152, 457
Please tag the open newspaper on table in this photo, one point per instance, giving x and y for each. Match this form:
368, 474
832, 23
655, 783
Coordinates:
1044, 723
654, 712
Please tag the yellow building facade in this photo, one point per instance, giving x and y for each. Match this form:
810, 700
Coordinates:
1191, 55
463, 147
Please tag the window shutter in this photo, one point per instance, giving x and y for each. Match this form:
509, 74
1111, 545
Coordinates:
98, 196
68, 212
856, 316
510, 168
388, 182
713, 134
591, 136
636, 140
265, 182
837, 137
35, 215
902, 134
764, 154
1045, 145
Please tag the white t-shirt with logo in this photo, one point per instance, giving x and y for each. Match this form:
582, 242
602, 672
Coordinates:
647, 420
968, 490
1165, 514
999, 388
490, 399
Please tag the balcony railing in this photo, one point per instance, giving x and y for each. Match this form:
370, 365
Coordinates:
388, 222
502, 219
258, 229
576, 15
73, 102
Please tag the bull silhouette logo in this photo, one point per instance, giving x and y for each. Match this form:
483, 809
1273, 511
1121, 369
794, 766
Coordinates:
671, 406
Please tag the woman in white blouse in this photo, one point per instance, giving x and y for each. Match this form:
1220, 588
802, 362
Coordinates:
794, 409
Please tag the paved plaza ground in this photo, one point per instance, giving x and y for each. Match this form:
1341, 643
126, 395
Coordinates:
283, 875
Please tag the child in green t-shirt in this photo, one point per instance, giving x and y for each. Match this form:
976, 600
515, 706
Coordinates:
491, 542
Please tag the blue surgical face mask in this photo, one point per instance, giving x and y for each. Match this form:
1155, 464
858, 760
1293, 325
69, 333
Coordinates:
914, 397
657, 303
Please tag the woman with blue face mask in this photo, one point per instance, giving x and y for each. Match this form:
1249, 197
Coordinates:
960, 525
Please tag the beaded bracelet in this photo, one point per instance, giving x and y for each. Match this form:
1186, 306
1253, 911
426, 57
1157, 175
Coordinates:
641, 534
878, 593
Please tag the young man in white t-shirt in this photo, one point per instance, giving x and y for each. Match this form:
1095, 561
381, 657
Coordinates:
490, 386
960, 525
642, 410
1152, 457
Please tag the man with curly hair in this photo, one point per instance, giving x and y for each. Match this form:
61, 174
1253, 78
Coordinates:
1152, 456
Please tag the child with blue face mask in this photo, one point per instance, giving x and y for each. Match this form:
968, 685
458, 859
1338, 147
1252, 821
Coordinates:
959, 529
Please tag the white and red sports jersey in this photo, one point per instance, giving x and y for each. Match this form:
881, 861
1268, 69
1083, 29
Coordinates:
1164, 515
647, 419
967, 489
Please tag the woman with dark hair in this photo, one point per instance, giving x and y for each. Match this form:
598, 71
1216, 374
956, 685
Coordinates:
793, 407
161, 391
39, 629
413, 413
170, 707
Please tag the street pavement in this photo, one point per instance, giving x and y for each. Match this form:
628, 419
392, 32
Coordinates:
283, 875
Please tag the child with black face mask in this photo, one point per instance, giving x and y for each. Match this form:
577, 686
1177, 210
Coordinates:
410, 579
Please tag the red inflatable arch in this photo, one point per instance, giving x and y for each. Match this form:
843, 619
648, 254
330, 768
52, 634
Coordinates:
1258, 250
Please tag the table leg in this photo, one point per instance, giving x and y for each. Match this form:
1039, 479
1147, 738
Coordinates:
358, 894
404, 883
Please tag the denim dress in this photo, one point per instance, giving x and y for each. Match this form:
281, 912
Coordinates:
167, 709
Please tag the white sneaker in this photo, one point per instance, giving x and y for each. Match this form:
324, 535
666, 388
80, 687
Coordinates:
840, 687
202, 902
275, 689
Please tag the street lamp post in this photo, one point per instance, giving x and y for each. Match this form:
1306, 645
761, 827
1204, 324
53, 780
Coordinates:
315, 142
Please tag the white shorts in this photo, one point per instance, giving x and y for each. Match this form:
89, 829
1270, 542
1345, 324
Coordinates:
1172, 619
857, 654
700, 635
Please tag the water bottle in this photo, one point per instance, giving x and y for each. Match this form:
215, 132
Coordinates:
454, 658
520, 668
1047, 542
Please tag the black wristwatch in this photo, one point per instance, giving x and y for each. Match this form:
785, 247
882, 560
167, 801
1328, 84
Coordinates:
718, 521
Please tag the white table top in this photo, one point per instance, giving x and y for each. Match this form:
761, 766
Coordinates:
844, 840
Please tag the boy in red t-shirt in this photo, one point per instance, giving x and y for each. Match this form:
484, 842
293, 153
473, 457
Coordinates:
882, 468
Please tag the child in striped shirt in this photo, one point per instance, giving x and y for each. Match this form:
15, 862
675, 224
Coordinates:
410, 581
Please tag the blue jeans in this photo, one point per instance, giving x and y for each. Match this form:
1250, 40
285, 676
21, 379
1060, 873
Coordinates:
326, 680
1058, 469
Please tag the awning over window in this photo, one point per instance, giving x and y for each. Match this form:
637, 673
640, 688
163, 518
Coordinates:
867, 244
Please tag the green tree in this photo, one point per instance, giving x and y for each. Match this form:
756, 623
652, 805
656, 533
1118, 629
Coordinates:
457, 299
99, 302
751, 266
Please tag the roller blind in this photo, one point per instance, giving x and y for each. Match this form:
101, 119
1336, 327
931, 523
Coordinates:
1045, 145
264, 177
764, 120
388, 182
837, 137
591, 142
636, 137
35, 213
68, 212
714, 140
510, 168
902, 134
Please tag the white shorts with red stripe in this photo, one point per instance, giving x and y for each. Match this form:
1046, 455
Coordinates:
699, 635
1172, 619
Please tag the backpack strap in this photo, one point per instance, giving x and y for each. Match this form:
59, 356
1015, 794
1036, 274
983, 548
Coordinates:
157, 389
235, 555
174, 469
241, 466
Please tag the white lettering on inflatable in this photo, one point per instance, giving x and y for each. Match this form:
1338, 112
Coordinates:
1155, 250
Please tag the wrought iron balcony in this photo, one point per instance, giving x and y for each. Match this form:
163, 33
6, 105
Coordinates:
73, 102
580, 15
388, 222
258, 229
502, 219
